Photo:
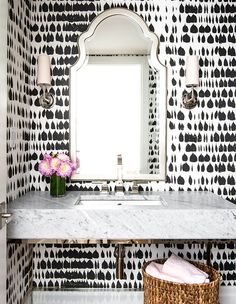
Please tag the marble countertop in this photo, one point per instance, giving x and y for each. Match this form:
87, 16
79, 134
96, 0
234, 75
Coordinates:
186, 215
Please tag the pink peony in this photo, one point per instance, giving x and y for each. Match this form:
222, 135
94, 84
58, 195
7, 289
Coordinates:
55, 163
59, 164
45, 168
63, 157
47, 157
64, 170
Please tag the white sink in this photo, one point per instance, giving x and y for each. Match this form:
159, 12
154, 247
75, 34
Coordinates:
120, 201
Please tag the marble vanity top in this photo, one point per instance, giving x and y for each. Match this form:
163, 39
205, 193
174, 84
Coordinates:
185, 216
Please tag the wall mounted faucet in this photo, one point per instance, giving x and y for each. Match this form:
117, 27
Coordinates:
119, 187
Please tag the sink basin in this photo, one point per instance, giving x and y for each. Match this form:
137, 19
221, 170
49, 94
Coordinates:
120, 201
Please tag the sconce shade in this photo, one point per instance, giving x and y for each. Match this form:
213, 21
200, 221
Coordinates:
192, 71
44, 70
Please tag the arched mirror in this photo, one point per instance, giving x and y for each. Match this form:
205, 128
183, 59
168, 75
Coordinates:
118, 100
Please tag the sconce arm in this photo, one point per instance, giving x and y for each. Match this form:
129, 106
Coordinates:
189, 99
47, 99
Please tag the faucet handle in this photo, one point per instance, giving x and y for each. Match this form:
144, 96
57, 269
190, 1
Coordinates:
135, 188
105, 188
119, 188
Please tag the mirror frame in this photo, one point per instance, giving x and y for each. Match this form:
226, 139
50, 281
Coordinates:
155, 63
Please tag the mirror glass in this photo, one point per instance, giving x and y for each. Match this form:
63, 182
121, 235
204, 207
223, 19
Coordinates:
117, 100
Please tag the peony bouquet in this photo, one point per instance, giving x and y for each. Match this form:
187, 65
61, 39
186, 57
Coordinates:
59, 164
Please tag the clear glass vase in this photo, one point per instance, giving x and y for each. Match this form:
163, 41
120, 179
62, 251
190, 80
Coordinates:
57, 185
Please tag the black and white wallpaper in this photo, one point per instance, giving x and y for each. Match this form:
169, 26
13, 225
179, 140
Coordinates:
19, 272
201, 143
78, 266
19, 101
19, 265
83, 266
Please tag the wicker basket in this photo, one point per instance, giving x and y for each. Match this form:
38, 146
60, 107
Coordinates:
158, 291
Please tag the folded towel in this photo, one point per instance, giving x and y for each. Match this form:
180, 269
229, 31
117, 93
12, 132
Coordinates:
155, 270
177, 270
177, 267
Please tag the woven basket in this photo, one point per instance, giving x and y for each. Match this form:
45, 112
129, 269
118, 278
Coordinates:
158, 291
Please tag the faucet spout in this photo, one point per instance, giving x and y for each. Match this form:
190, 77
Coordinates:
119, 187
119, 168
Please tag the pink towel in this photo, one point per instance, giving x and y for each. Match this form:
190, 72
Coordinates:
177, 270
155, 270
177, 267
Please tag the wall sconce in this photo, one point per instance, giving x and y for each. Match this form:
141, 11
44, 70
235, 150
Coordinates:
44, 81
189, 99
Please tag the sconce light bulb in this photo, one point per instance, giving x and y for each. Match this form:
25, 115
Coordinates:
44, 70
192, 71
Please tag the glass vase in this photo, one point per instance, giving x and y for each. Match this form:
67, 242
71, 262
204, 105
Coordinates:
57, 186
